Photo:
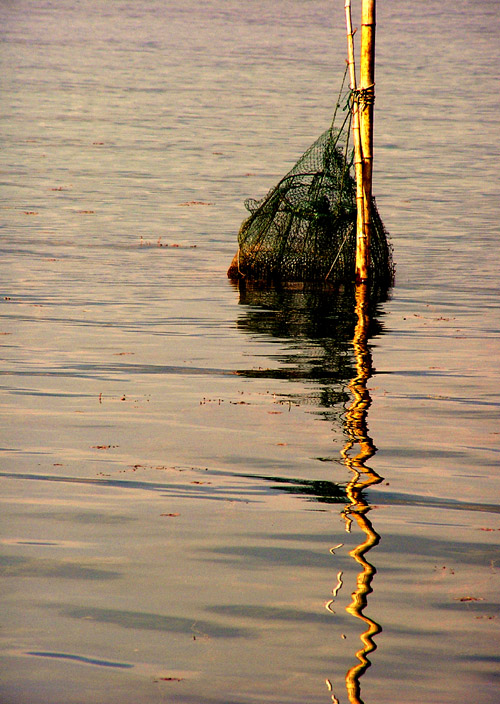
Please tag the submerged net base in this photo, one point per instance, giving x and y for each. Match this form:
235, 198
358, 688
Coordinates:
305, 228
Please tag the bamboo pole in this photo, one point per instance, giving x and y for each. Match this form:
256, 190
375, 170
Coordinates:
358, 157
366, 100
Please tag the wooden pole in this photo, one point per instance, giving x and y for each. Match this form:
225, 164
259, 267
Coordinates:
358, 157
366, 99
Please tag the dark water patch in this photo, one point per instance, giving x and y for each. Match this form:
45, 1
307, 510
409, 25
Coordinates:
82, 517
445, 551
332, 492
35, 542
179, 491
49, 394
56, 374
22, 451
138, 620
309, 489
260, 464
422, 452
473, 604
152, 369
381, 497
319, 374
270, 613
81, 659
474, 402
315, 490
251, 557
142, 325
110, 372
494, 659
25, 567
324, 538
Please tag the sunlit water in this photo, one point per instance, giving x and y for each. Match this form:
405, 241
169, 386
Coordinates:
173, 493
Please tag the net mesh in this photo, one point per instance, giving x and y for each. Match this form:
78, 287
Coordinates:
305, 228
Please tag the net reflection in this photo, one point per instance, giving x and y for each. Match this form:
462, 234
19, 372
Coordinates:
321, 330
315, 329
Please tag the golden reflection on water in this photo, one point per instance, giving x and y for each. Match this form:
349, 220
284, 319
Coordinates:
300, 315
362, 477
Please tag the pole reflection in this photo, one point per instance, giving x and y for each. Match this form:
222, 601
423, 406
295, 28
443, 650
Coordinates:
320, 330
358, 450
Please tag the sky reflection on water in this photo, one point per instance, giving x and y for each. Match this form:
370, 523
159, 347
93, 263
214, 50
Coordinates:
175, 465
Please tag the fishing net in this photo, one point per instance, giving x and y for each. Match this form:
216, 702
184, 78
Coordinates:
305, 228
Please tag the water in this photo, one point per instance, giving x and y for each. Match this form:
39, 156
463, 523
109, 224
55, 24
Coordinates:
172, 487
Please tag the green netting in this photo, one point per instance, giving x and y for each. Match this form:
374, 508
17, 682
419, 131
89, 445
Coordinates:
305, 228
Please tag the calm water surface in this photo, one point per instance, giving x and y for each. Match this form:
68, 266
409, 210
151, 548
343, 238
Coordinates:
175, 504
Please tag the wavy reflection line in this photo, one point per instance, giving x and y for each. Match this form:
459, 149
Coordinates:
362, 477
328, 606
339, 584
335, 591
357, 606
330, 689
